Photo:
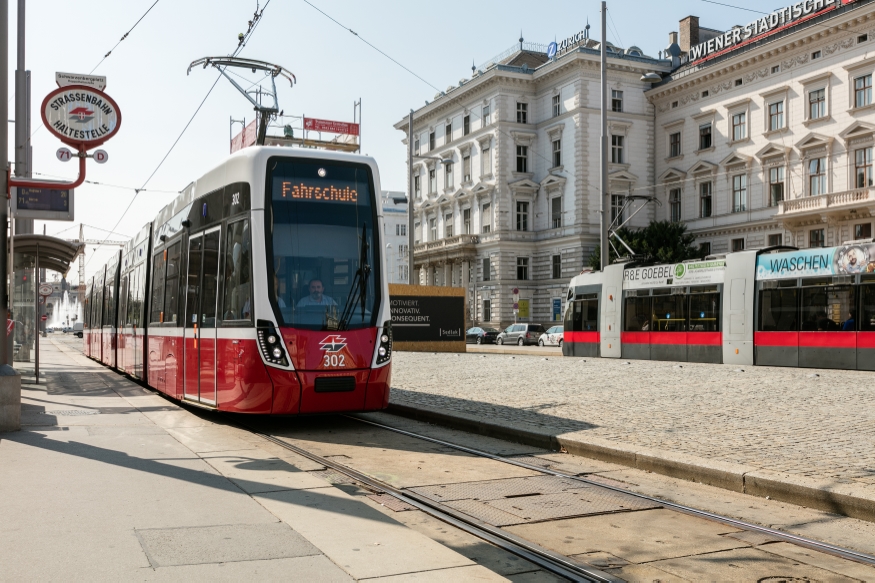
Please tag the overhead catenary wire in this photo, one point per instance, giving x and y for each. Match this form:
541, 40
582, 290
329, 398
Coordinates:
124, 36
253, 25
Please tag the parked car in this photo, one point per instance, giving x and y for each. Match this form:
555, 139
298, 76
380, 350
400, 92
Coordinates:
66, 329
79, 329
477, 335
552, 337
520, 334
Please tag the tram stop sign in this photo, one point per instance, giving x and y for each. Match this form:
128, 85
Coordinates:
44, 318
45, 289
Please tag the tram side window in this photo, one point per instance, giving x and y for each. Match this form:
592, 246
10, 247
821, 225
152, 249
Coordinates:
157, 303
123, 302
704, 312
867, 308
171, 289
140, 303
109, 304
583, 316
237, 304
828, 309
637, 314
670, 313
97, 307
778, 310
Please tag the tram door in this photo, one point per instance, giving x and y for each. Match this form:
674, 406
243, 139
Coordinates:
202, 286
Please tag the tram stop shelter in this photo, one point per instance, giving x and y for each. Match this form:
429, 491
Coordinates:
33, 255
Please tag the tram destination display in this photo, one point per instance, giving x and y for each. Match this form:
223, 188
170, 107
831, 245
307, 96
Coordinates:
45, 203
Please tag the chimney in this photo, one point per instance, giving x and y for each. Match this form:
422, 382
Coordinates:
689, 28
672, 38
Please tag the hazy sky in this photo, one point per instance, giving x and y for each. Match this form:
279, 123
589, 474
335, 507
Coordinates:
146, 74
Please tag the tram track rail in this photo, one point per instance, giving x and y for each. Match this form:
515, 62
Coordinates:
546, 559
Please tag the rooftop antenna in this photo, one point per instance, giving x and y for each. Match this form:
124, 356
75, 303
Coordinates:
473, 68
264, 112
586, 30
521, 39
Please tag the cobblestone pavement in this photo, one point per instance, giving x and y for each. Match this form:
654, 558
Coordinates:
819, 424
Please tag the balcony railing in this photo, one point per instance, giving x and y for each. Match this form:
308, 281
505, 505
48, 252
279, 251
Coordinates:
447, 243
826, 202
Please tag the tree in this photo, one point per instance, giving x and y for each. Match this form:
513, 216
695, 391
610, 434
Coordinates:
658, 242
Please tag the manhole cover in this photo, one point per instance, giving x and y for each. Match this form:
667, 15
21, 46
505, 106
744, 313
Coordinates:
71, 412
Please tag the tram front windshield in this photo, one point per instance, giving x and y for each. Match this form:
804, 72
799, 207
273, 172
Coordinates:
323, 256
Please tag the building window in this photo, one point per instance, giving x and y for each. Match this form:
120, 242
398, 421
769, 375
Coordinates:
522, 112
466, 221
863, 231
466, 125
705, 249
557, 108
485, 115
522, 216
417, 233
485, 162
448, 175
739, 193
739, 82
556, 212
486, 218
674, 204
776, 240
776, 69
448, 225
402, 251
522, 158
705, 199
706, 93
776, 185
863, 167
487, 269
674, 145
617, 149
430, 141
401, 230
432, 181
816, 176
816, 55
617, 214
776, 115
557, 153
448, 133
522, 268
487, 310
416, 145
862, 38
557, 266
815, 238
616, 100
417, 186
432, 228
863, 91
817, 104
739, 126
705, 136
466, 168
737, 245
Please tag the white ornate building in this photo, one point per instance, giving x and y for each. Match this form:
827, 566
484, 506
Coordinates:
394, 206
771, 143
757, 136
506, 186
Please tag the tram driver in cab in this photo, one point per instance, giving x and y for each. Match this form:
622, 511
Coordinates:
316, 296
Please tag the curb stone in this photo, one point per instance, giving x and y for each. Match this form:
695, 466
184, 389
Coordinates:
848, 499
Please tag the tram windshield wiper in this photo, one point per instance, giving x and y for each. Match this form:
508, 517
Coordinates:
359, 290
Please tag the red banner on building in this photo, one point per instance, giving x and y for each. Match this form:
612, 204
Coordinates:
335, 127
245, 138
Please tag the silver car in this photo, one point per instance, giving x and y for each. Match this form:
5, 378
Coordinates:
520, 334
552, 337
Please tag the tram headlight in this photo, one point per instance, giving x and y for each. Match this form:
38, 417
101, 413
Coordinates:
384, 351
277, 352
271, 339
270, 344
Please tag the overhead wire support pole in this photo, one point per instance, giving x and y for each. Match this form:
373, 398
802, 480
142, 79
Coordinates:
4, 164
605, 254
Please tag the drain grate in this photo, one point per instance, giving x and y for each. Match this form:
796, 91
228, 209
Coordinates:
495, 489
71, 412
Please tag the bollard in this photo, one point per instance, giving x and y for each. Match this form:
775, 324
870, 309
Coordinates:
10, 399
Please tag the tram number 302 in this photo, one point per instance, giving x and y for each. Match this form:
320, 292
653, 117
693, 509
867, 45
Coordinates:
335, 360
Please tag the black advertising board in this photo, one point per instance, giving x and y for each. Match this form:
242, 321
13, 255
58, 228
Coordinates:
428, 318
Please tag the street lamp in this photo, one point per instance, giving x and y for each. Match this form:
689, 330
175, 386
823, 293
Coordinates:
410, 193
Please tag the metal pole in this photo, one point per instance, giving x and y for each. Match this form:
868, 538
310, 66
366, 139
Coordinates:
410, 195
4, 163
22, 112
606, 201
36, 318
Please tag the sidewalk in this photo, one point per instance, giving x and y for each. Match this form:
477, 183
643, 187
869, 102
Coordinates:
110, 481
803, 436
549, 351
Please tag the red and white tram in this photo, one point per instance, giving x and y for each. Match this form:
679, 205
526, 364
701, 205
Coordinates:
777, 307
260, 289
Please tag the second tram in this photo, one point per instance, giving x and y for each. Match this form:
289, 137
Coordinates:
778, 306
260, 289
